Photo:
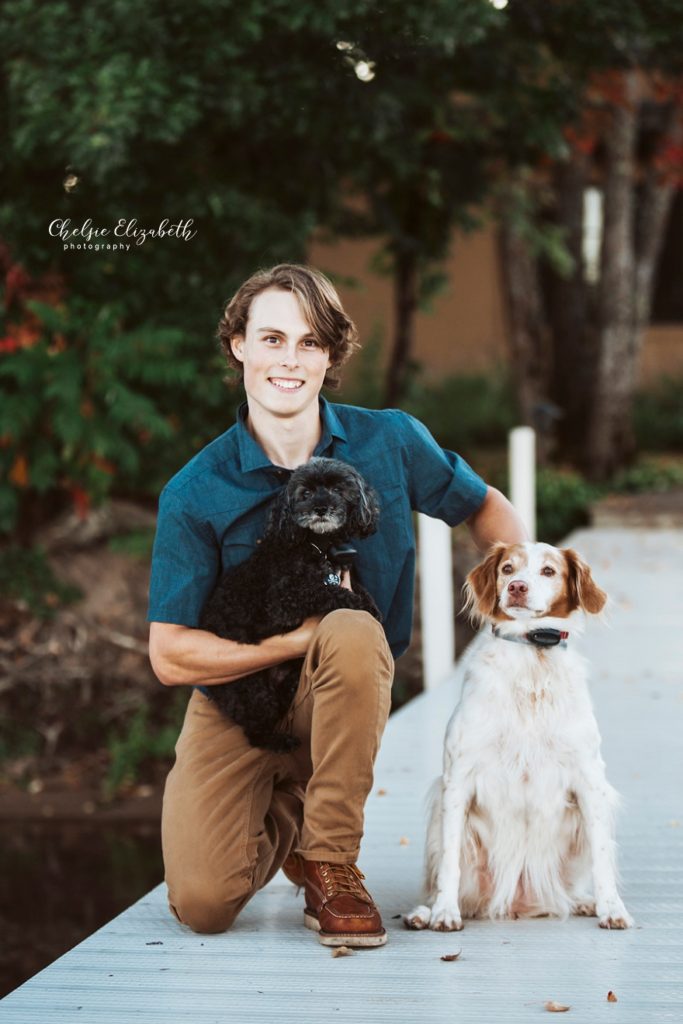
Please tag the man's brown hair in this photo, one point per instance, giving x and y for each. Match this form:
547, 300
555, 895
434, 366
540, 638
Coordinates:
320, 305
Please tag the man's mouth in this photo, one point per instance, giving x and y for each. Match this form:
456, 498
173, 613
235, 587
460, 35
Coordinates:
286, 383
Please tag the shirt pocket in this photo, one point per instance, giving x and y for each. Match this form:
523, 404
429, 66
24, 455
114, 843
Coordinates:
238, 543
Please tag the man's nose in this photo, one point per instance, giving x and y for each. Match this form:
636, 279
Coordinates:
517, 587
289, 356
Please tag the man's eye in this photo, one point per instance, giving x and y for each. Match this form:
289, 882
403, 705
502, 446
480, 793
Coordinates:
548, 571
311, 343
507, 569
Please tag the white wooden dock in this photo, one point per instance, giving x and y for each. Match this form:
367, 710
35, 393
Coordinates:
145, 968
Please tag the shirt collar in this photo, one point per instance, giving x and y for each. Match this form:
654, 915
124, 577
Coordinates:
252, 455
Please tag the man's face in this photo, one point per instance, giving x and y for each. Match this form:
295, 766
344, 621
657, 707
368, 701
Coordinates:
284, 364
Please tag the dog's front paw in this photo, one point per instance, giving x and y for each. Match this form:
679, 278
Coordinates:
445, 918
613, 914
418, 918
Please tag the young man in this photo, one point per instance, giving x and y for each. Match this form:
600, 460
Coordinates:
234, 814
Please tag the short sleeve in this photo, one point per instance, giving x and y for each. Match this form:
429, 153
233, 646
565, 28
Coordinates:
441, 483
185, 566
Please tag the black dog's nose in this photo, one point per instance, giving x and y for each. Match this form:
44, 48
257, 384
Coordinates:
320, 510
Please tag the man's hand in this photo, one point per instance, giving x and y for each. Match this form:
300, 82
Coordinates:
301, 637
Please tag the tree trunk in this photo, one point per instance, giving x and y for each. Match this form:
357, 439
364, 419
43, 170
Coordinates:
610, 436
629, 261
568, 303
527, 326
405, 306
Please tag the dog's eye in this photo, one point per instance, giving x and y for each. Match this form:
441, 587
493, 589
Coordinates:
306, 493
506, 569
548, 570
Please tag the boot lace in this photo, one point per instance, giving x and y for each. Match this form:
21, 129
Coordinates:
344, 878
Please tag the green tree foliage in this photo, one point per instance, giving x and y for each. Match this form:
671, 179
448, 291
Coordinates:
82, 398
259, 122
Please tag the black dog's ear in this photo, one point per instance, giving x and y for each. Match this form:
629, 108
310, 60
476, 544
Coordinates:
280, 520
364, 516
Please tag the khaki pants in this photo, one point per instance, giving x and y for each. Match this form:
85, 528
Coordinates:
232, 812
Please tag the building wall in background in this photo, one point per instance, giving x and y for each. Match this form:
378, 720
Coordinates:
466, 332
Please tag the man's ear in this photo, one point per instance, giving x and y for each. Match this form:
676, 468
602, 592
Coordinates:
237, 346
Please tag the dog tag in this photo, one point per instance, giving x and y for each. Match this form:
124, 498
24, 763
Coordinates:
332, 579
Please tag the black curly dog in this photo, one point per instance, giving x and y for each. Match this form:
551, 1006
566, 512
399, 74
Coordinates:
294, 573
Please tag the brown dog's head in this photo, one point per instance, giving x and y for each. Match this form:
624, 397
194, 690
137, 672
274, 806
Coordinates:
531, 581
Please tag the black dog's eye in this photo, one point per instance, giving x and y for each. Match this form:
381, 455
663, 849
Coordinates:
305, 493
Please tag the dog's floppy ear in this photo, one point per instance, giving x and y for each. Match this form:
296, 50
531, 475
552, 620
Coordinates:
364, 516
480, 589
280, 519
582, 590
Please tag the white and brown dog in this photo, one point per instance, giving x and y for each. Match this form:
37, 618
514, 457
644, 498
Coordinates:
522, 820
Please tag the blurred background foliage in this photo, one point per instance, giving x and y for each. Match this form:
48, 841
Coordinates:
262, 123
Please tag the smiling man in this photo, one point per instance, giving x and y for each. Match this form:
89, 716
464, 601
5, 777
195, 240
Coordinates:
234, 814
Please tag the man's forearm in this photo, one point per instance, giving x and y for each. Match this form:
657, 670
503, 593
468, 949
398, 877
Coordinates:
183, 656
496, 519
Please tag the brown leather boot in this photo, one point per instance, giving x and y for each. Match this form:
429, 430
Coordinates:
339, 907
293, 868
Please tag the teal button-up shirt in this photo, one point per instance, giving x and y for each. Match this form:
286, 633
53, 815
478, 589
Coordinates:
213, 511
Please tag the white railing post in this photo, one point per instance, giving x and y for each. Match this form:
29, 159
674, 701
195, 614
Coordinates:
436, 599
522, 468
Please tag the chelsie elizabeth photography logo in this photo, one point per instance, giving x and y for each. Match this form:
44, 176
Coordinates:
125, 233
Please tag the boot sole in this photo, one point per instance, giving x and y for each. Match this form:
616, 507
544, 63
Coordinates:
341, 939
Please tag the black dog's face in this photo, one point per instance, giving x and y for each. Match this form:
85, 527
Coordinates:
322, 502
327, 496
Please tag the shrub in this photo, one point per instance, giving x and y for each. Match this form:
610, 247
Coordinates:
142, 742
648, 475
80, 398
563, 500
26, 577
658, 416
465, 412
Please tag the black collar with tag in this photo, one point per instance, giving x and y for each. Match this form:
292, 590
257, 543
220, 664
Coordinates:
332, 560
540, 638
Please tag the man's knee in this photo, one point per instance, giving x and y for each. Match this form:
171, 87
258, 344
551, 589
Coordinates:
206, 911
346, 627
355, 642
